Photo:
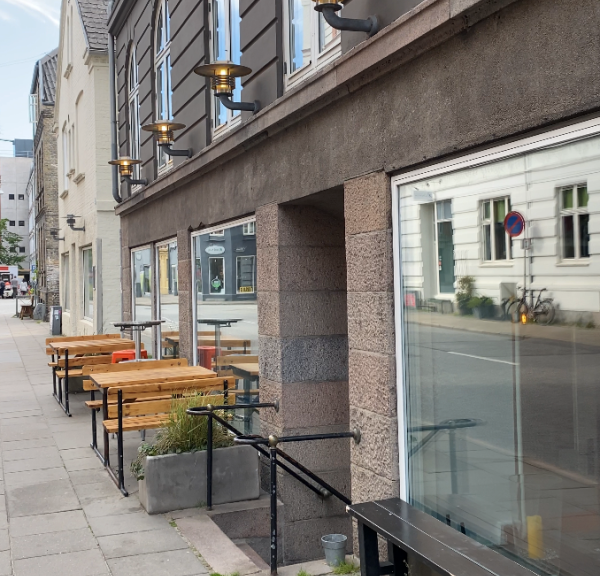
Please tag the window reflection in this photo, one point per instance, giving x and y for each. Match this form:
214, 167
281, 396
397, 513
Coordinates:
226, 311
503, 421
168, 298
141, 273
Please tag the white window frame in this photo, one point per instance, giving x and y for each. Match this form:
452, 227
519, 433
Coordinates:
66, 280
234, 117
133, 105
212, 231
318, 59
558, 137
490, 222
84, 292
163, 56
237, 287
65, 153
249, 229
575, 212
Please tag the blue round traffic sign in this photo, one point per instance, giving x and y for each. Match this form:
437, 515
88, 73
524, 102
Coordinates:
514, 224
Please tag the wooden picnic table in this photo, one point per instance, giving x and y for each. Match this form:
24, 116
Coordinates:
82, 347
247, 370
105, 380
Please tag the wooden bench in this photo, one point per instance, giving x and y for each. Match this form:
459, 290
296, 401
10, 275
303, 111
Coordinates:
150, 407
96, 405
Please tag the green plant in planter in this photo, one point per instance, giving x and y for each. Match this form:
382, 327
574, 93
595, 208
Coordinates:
480, 302
466, 287
182, 433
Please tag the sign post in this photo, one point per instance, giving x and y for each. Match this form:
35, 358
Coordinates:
514, 224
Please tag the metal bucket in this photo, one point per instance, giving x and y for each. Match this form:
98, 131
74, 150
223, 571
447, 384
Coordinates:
334, 546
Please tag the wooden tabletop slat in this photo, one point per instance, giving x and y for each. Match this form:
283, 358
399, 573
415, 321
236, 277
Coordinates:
93, 346
250, 367
115, 379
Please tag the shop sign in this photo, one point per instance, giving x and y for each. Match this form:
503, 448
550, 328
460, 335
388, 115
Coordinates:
213, 250
422, 196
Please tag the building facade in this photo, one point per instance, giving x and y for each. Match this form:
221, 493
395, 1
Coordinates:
89, 249
377, 174
42, 98
14, 176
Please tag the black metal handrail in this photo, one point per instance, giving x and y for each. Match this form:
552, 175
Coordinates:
272, 442
434, 429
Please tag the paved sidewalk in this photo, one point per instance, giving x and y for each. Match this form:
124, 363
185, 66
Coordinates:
61, 514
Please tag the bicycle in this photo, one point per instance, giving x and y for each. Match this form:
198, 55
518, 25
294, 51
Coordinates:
541, 312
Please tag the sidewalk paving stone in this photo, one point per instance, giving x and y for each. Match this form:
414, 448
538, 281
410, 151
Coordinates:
125, 523
61, 542
47, 523
179, 562
136, 543
85, 563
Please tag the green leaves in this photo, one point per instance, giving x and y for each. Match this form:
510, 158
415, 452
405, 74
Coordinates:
9, 245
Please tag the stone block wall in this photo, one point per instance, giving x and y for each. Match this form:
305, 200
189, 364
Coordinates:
371, 337
302, 321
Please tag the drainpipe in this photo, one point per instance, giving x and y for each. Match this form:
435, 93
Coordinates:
113, 110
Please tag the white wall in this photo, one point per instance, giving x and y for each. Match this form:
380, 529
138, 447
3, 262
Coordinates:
532, 182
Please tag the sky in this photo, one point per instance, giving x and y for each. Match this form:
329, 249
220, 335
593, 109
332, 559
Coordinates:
28, 30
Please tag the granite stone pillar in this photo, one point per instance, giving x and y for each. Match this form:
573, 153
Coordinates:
184, 288
302, 321
371, 338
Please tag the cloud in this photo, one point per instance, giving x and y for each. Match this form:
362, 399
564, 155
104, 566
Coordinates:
4, 16
42, 9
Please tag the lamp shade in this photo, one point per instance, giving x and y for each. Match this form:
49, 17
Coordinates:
163, 130
222, 75
125, 164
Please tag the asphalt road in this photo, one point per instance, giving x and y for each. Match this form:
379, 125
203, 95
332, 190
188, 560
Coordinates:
472, 375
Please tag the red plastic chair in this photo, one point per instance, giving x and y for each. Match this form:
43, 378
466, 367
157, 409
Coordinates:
123, 355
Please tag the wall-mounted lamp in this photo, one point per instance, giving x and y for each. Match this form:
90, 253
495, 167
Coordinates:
164, 133
222, 80
71, 223
329, 8
54, 233
126, 165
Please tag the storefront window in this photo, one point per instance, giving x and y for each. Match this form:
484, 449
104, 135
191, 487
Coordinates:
226, 311
502, 411
141, 274
168, 298
88, 284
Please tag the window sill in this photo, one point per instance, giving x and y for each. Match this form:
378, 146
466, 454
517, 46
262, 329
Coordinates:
573, 264
508, 264
64, 194
68, 70
79, 178
227, 127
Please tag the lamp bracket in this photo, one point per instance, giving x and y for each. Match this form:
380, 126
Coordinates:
168, 150
242, 106
133, 182
370, 25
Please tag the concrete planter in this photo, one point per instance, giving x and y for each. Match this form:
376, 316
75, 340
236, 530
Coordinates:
176, 481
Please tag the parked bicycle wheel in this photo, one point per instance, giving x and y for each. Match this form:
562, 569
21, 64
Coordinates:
544, 312
516, 310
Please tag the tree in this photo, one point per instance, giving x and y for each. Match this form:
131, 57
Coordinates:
9, 245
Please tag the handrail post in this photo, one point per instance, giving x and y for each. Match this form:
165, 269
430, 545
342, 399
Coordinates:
209, 457
273, 440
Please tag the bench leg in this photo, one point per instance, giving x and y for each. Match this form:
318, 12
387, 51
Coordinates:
120, 446
53, 377
94, 443
66, 381
399, 560
106, 447
369, 551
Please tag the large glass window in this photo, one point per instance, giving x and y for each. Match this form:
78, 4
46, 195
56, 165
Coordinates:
168, 297
226, 22
141, 275
134, 112
502, 411
88, 284
311, 42
225, 309
162, 67
66, 280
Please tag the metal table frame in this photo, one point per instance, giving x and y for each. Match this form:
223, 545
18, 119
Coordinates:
137, 328
218, 324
